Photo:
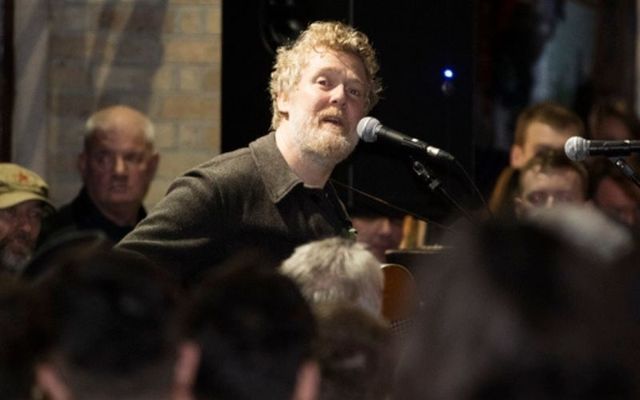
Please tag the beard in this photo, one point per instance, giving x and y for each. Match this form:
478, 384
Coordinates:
15, 251
324, 142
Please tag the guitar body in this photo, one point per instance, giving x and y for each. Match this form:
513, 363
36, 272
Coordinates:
399, 295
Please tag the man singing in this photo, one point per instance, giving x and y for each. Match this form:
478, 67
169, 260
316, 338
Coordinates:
275, 192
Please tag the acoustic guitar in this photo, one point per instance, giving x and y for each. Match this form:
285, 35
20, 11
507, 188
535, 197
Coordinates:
399, 296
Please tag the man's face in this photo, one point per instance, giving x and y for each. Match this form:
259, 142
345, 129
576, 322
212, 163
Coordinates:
379, 234
117, 167
324, 108
546, 189
19, 230
538, 137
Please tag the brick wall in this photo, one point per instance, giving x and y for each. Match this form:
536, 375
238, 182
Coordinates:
160, 56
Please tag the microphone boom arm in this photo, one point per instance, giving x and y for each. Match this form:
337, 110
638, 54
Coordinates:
626, 169
435, 185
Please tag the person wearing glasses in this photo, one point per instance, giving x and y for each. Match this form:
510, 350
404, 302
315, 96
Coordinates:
550, 179
117, 163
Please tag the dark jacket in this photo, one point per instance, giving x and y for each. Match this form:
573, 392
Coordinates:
248, 197
82, 215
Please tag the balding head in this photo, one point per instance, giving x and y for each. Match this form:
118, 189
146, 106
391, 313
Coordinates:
119, 117
118, 162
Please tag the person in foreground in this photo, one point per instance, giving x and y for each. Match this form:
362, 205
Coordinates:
522, 313
321, 86
247, 334
106, 323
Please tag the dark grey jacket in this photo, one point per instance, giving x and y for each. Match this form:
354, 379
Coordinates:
248, 197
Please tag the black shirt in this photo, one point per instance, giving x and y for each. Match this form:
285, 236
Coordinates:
82, 215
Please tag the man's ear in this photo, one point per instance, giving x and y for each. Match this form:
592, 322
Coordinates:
307, 382
186, 370
50, 383
152, 164
283, 103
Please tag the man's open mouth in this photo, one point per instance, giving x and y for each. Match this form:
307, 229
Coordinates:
337, 121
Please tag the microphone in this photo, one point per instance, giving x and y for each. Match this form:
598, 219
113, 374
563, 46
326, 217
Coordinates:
577, 148
369, 129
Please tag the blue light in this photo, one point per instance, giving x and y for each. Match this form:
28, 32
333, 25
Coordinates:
448, 73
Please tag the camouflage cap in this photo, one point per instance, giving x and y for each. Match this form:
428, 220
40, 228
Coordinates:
18, 184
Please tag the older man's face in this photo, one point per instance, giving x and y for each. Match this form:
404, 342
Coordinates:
117, 167
19, 230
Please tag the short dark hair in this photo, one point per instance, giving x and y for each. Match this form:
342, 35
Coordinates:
255, 331
109, 318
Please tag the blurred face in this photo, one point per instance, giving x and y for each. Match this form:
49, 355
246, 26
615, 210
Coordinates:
539, 137
324, 108
379, 234
611, 128
614, 201
19, 230
118, 166
548, 189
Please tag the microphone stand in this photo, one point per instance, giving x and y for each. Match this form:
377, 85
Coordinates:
436, 186
626, 170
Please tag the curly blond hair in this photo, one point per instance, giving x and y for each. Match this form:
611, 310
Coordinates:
336, 36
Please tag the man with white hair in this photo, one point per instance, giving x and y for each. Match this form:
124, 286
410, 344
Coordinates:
337, 270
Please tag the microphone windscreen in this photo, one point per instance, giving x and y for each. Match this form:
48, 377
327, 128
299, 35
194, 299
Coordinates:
576, 148
368, 129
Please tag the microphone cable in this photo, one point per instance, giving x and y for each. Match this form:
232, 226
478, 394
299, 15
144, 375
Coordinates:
392, 206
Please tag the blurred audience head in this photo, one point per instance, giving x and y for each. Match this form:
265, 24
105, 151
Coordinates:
248, 334
118, 160
548, 180
108, 323
18, 345
540, 127
23, 203
588, 229
337, 270
356, 354
520, 314
613, 119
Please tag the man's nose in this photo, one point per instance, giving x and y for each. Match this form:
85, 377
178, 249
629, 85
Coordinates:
25, 223
119, 165
339, 95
